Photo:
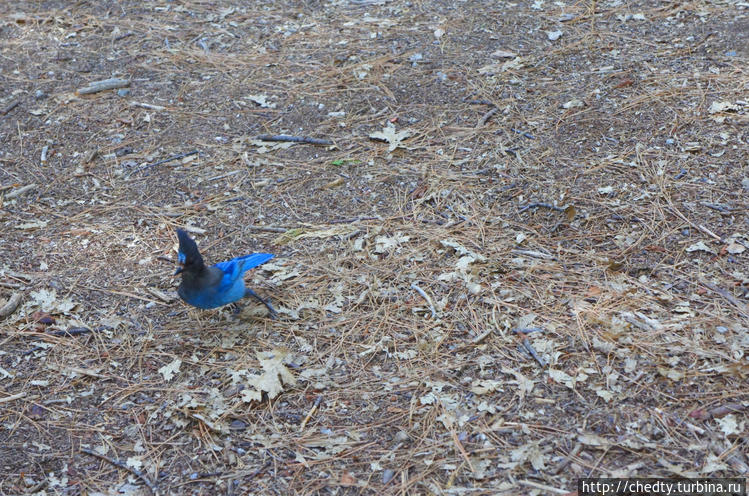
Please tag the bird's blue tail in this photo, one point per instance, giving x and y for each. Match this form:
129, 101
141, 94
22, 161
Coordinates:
244, 263
248, 262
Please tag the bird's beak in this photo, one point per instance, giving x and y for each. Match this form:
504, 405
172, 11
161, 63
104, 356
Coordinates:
179, 269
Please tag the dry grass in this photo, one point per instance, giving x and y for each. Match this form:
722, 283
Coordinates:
646, 339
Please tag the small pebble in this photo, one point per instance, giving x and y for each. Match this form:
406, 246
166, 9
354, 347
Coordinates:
387, 476
237, 425
39, 94
123, 92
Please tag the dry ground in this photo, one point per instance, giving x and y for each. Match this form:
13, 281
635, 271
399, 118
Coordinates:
591, 184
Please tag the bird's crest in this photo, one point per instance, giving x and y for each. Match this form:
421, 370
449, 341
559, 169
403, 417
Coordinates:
188, 250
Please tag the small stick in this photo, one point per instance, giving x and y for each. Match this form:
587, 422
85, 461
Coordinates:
9, 107
719, 208
728, 296
268, 228
13, 397
423, 294
522, 133
312, 410
541, 205
252, 474
563, 464
19, 191
485, 118
543, 487
11, 305
106, 84
699, 228
76, 331
534, 254
527, 344
462, 450
169, 159
477, 340
154, 489
355, 219
294, 139
478, 102
123, 36
147, 106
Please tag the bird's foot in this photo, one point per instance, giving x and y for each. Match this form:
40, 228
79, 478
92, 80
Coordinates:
272, 311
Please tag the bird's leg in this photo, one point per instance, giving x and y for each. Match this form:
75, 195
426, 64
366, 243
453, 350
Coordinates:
273, 313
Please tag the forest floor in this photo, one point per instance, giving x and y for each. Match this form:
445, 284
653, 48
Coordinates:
519, 260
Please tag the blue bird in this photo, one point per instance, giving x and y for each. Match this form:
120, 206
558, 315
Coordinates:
217, 285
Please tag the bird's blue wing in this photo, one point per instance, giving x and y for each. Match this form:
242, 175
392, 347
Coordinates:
234, 268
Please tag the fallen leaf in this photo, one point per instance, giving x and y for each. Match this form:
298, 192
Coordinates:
700, 246
389, 135
716, 107
169, 370
275, 375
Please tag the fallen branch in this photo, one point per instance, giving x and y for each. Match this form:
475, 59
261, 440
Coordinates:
152, 486
294, 139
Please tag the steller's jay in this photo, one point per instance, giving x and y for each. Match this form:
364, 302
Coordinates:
219, 284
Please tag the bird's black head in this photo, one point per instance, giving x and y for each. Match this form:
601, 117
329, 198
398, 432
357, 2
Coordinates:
189, 256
